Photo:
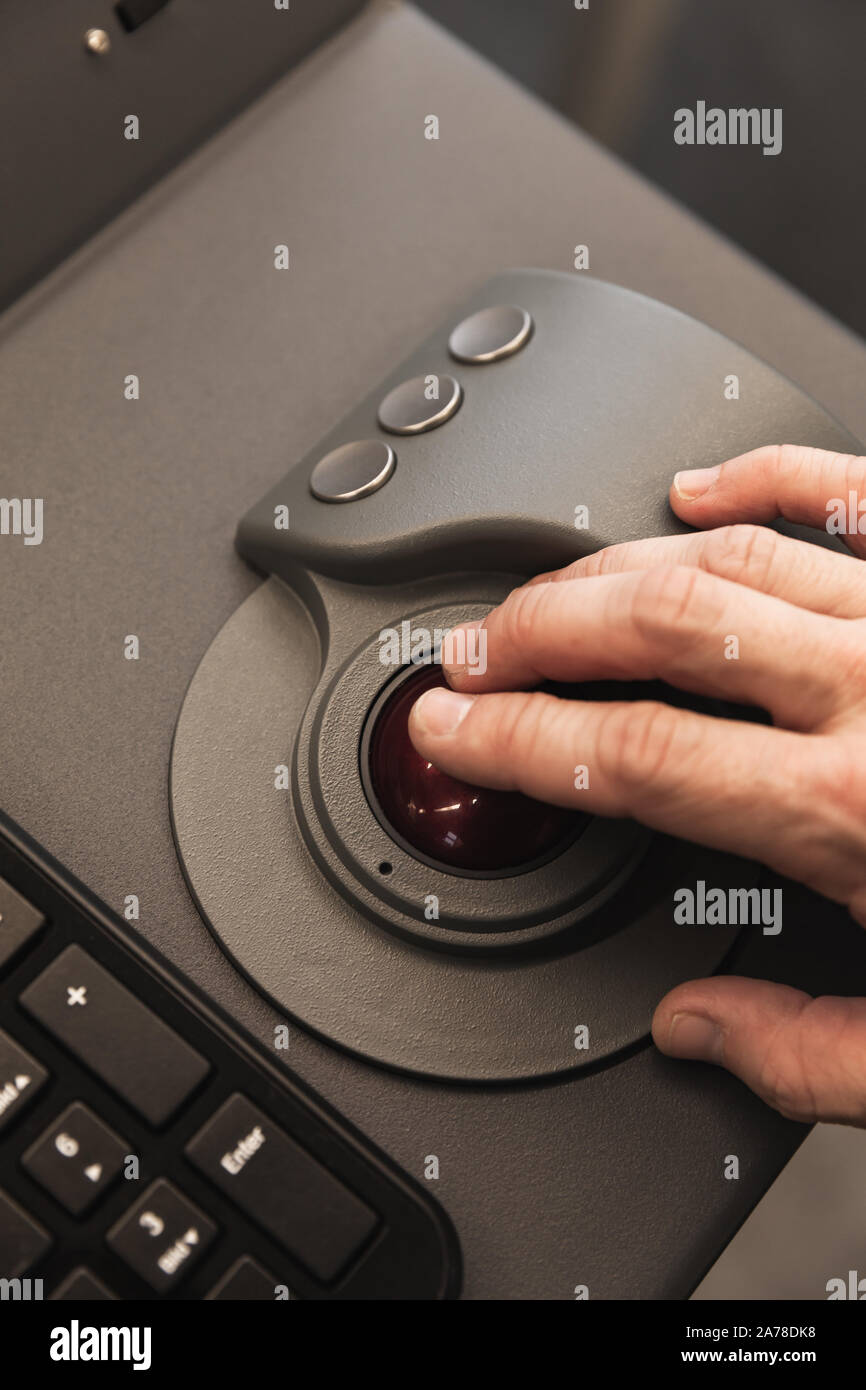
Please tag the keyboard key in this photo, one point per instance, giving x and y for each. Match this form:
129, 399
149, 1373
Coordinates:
77, 1158
21, 1077
282, 1187
19, 923
162, 1236
114, 1034
82, 1287
246, 1281
22, 1240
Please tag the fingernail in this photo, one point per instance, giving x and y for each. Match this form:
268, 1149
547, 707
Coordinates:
695, 1037
694, 482
440, 711
459, 649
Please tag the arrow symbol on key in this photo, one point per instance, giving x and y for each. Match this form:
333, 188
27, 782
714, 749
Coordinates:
21, 1082
191, 1237
94, 1172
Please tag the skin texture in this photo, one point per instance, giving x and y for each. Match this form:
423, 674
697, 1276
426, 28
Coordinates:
792, 794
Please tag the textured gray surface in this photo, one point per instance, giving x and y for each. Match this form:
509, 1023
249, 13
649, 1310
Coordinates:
613, 395
67, 167
242, 370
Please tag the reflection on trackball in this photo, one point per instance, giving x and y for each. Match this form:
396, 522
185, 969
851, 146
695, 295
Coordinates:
457, 826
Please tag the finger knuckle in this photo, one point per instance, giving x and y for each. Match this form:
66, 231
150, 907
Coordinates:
801, 466
636, 742
791, 1068
785, 457
516, 728
608, 560
831, 784
789, 462
783, 1084
520, 615
743, 552
852, 469
670, 603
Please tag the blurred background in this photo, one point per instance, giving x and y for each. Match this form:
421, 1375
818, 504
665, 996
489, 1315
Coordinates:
621, 68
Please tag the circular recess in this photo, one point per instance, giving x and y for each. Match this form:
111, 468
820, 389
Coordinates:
307, 931
491, 334
353, 471
443, 821
490, 910
411, 408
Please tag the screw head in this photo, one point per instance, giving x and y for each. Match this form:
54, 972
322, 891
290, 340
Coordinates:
97, 41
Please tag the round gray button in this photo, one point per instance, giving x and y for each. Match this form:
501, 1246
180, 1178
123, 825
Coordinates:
491, 334
420, 404
353, 470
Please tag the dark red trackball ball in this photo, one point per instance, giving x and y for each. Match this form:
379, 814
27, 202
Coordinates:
448, 821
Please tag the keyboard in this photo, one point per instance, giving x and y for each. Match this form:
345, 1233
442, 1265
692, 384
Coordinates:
151, 1150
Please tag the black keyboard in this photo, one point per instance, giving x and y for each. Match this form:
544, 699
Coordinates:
149, 1150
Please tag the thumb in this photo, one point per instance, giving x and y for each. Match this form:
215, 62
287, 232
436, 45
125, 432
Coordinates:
806, 1057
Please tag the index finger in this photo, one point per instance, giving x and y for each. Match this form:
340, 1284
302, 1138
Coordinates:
813, 487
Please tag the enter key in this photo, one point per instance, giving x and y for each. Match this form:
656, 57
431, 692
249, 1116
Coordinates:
281, 1186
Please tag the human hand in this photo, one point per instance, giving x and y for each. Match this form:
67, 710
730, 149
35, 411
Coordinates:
792, 795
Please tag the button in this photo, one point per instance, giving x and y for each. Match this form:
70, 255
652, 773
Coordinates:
420, 404
22, 1240
21, 1077
82, 1287
114, 1034
491, 334
283, 1187
76, 1159
19, 922
353, 471
162, 1236
246, 1281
